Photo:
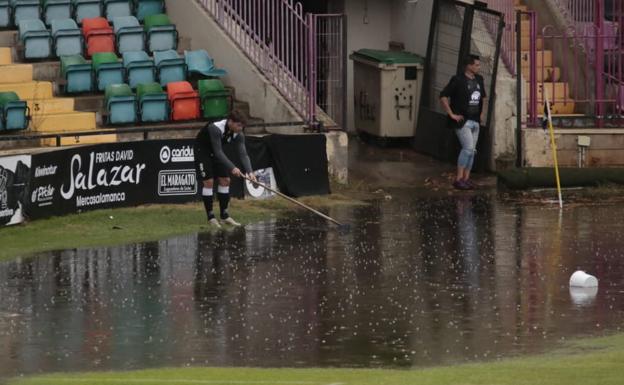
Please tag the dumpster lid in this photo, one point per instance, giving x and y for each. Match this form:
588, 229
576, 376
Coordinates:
390, 57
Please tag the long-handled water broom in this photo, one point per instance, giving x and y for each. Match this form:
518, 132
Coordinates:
341, 226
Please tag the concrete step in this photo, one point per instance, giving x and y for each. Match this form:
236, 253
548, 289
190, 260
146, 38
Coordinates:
32, 90
548, 74
51, 106
16, 73
89, 103
8, 38
78, 140
6, 55
544, 58
47, 71
63, 122
525, 43
554, 90
558, 107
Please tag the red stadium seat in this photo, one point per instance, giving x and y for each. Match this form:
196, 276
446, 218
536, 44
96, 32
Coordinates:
184, 101
99, 35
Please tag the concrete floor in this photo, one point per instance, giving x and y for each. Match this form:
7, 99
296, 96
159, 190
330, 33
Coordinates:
400, 167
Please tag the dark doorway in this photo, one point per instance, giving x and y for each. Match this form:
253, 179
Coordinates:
314, 6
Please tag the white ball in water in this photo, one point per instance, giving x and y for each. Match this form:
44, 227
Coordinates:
582, 279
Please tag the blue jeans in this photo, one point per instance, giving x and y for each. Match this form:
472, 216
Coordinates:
468, 136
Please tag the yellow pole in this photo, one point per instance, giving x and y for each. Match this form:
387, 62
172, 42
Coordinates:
554, 150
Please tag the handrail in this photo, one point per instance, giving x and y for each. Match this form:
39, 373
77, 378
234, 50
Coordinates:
133, 130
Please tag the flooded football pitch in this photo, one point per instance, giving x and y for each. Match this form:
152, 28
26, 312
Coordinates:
417, 281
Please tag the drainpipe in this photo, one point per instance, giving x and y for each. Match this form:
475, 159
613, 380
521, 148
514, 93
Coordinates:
600, 97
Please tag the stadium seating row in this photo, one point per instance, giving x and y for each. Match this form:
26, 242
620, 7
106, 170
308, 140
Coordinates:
180, 102
14, 11
97, 35
135, 68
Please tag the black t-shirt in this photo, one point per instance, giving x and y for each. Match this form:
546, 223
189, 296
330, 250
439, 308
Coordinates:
466, 96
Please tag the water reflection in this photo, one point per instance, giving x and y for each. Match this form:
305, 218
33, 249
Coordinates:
416, 282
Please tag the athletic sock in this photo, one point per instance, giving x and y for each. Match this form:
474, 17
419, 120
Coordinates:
207, 198
223, 193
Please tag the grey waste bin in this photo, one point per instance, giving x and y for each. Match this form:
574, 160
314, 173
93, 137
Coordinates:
387, 87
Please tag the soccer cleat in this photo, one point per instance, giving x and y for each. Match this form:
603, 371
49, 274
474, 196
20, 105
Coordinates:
214, 222
231, 222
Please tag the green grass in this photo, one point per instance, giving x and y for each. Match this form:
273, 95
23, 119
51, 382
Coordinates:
588, 362
145, 223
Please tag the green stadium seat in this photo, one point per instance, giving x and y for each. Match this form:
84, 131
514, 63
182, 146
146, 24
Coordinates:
139, 68
129, 33
199, 62
170, 66
215, 99
148, 7
56, 10
67, 37
107, 69
77, 73
36, 39
153, 103
120, 104
14, 113
161, 34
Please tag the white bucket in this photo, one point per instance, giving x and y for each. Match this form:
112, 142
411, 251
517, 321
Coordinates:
583, 296
582, 279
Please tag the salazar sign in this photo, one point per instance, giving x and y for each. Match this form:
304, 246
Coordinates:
110, 175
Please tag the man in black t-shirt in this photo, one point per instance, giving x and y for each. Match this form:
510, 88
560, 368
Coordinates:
211, 162
463, 99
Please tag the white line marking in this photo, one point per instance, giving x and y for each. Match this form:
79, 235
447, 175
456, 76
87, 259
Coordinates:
163, 381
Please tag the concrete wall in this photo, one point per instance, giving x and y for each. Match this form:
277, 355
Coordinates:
374, 23
265, 102
605, 149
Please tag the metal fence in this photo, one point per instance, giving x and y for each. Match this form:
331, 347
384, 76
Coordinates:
289, 47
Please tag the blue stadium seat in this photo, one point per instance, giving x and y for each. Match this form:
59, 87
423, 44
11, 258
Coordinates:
153, 103
171, 67
77, 74
148, 7
161, 34
139, 68
129, 33
107, 69
56, 10
120, 104
24, 10
199, 62
5, 14
117, 8
67, 37
14, 113
86, 9
36, 39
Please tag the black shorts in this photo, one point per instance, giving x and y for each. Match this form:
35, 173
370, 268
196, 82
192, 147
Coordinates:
207, 165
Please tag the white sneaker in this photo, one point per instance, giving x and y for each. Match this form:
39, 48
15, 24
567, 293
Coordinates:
215, 223
231, 221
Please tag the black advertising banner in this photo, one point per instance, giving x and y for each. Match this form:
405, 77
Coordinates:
300, 164
112, 175
72, 180
14, 176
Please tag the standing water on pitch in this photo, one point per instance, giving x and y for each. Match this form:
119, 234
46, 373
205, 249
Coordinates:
416, 282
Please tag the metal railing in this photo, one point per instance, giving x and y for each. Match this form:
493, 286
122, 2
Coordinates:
275, 36
508, 40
